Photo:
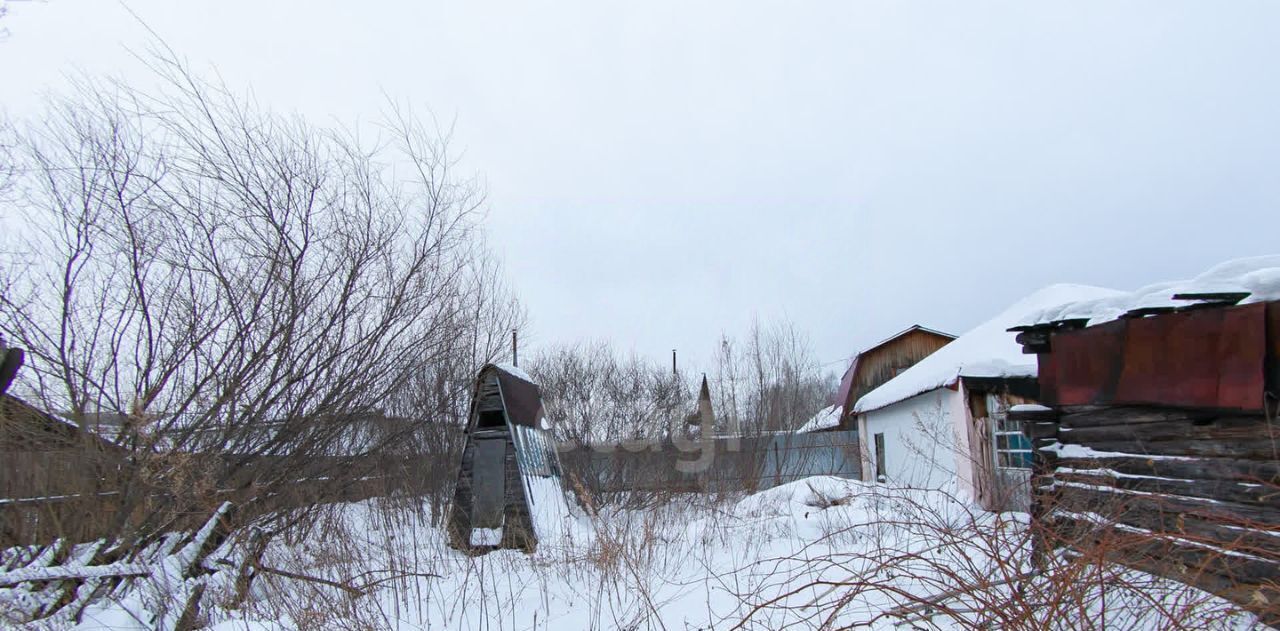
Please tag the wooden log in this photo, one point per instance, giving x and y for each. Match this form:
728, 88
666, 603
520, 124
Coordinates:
1244, 449
1218, 490
69, 589
1040, 429
1117, 504
1263, 541
1264, 472
1134, 415
59, 573
1238, 434
1034, 414
207, 539
1249, 583
46, 560
1173, 557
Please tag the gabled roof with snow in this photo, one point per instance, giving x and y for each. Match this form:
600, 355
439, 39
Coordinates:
988, 350
826, 418
914, 327
846, 381
1259, 276
515, 371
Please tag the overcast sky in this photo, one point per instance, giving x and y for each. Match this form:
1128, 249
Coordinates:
661, 171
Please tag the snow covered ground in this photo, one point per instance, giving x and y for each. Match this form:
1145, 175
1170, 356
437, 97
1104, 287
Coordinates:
823, 552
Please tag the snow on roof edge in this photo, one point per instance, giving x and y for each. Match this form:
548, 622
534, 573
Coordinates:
514, 371
826, 418
1257, 275
987, 350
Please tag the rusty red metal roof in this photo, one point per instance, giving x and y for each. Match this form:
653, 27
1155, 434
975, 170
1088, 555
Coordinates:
1220, 358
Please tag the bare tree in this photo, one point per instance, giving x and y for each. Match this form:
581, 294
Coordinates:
438, 389
769, 382
597, 395
7, 140
241, 296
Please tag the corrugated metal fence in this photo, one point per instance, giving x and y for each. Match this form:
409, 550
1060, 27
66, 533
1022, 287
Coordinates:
713, 464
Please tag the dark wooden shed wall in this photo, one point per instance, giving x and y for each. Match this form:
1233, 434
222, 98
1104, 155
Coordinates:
521, 403
1179, 473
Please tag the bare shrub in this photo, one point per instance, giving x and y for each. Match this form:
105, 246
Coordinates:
191, 274
597, 395
937, 564
625, 423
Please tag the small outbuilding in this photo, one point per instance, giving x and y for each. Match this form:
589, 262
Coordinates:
509, 492
1155, 440
57, 480
943, 419
871, 368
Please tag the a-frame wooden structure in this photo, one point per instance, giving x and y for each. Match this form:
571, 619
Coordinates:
509, 492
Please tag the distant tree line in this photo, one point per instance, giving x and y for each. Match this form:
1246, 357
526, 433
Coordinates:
766, 381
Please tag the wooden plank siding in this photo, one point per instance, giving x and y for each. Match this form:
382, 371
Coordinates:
508, 408
877, 365
994, 490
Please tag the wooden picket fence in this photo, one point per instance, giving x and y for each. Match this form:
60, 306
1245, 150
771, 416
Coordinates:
57, 582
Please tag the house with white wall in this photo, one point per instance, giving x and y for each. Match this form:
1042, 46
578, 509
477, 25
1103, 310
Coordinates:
871, 368
941, 423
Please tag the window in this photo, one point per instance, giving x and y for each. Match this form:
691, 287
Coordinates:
1012, 447
491, 419
880, 477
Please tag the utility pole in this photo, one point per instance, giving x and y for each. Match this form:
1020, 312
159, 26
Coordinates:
673, 363
515, 353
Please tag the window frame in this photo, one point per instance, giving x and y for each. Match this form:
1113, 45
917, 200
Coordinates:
1002, 427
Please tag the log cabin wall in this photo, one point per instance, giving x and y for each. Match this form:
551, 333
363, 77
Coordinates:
1162, 448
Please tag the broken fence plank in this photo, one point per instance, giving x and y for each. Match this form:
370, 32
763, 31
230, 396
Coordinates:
62, 573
